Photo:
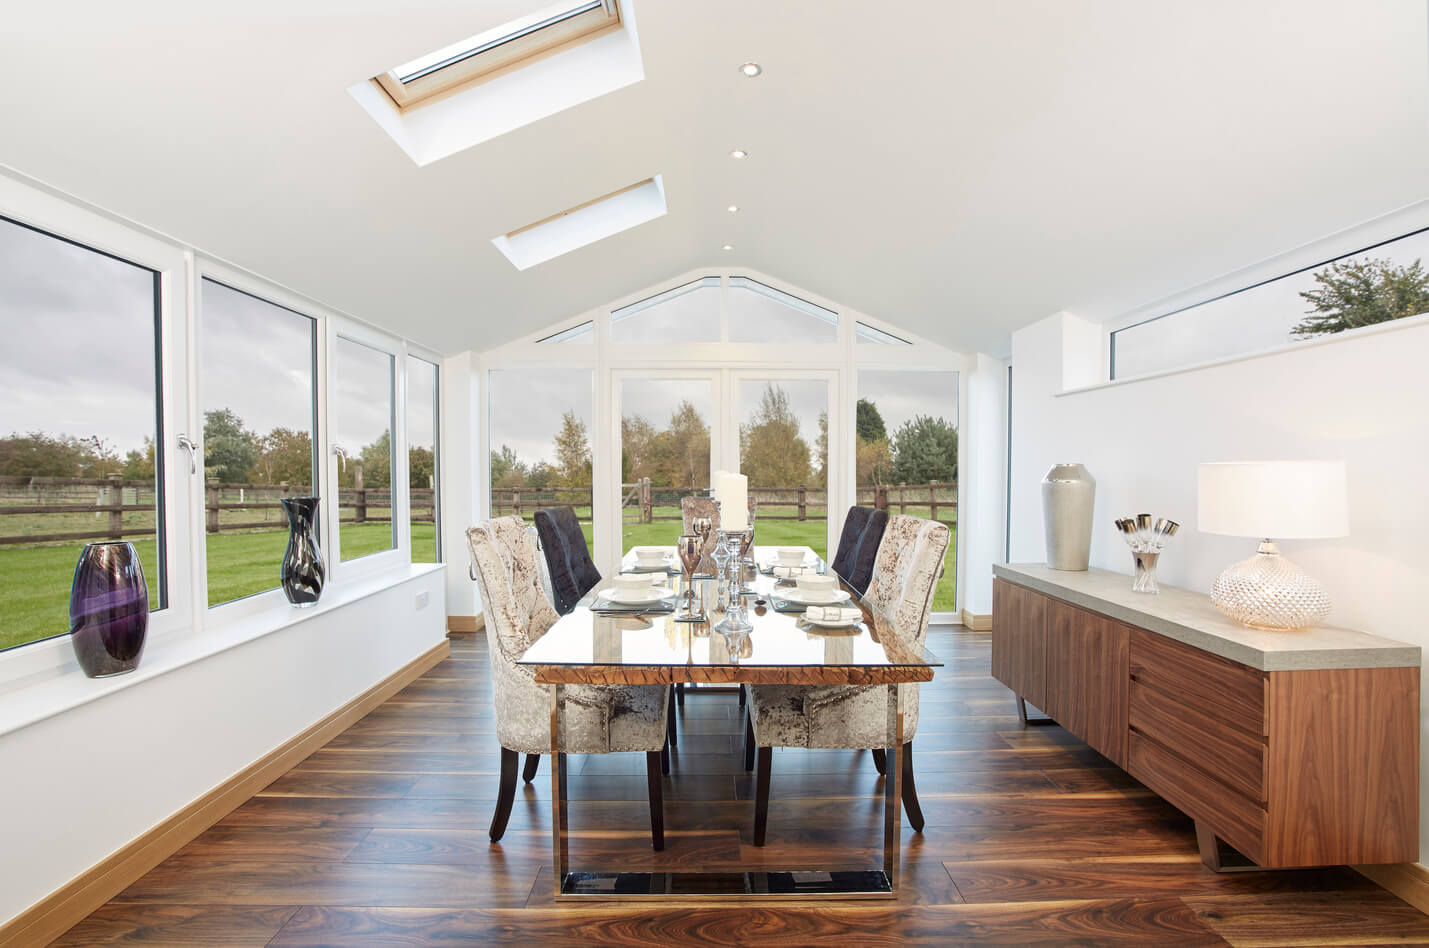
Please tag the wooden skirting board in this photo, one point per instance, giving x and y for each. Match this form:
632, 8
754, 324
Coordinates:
977, 623
65, 907
465, 625
1408, 880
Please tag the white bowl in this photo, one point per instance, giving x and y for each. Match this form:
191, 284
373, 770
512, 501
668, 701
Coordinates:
790, 556
631, 582
812, 584
650, 556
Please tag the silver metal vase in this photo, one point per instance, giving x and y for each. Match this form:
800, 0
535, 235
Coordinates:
1068, 495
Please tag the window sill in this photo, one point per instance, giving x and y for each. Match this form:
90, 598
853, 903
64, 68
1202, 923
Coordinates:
1398, 325
32, 701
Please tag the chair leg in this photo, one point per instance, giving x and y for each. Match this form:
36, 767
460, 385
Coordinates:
670, 720
880, 760
748, 742
528, 773
657, 799
506, 795
741, 696
680, 693
664, 753
765, 757
910, 792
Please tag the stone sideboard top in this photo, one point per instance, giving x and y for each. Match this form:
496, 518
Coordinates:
1190, 617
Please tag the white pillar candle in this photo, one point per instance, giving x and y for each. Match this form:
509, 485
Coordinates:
733, 494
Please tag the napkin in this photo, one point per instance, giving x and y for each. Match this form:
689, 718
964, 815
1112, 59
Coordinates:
791, 572
834, 614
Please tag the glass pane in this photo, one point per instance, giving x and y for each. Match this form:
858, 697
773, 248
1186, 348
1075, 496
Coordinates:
80, 396
1382, 283
540, 424
688, 313
759, 313
364, 411
422, 455
783, 450
256, 378
665, 455
584, 333
906, 453
864, 334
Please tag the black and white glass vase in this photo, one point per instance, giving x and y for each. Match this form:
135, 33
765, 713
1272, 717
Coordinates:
303, 570
108, 609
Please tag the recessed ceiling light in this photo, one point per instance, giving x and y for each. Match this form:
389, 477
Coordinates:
751, 69
732, 208
739, 153
727, 247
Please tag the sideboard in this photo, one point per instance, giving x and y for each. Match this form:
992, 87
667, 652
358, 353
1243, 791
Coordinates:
1294, 748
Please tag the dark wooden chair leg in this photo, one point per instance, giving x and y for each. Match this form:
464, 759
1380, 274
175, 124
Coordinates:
765, 757
528, 773
741, 696
880, 760
657, 799
748, 742
680, 693
670, 720
910, 792
664, 753
506, 795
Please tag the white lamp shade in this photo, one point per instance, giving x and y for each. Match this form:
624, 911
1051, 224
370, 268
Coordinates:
1273, 500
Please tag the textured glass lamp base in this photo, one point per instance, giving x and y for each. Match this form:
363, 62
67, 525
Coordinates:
1268, 591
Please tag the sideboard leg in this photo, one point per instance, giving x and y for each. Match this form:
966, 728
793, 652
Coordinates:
1218, 860
1021, 711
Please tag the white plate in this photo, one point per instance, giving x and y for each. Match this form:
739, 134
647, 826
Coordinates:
638, 597
804, 599
846, 624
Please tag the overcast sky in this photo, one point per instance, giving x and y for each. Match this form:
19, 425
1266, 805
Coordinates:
900, 395
525, 407
78, 357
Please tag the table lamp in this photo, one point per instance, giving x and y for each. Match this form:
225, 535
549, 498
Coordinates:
1272, 499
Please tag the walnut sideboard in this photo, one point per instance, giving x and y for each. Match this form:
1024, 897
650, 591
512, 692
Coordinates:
1295, 748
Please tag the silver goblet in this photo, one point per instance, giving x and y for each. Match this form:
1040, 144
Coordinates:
702, 527
689, 547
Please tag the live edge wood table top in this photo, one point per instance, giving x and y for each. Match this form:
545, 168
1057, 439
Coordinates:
1190, 618
588, 648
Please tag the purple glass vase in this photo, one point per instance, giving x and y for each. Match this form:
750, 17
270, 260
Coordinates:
108, 609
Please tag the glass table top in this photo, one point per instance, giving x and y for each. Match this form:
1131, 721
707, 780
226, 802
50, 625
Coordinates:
782, 643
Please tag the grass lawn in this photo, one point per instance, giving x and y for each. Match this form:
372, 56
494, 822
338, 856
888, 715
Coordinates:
36, 580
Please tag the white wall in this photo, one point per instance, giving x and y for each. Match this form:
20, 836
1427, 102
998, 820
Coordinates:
80, 785
1361, 397
463, 475
983, 471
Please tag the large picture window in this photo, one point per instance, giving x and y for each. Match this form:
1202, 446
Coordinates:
665, 426
784, 451
364, 407
78, 457
257, 378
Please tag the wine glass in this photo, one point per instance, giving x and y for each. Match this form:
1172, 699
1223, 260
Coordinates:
702, 527
689, 547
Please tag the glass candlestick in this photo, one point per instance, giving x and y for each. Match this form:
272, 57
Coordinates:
722, 554
734, 619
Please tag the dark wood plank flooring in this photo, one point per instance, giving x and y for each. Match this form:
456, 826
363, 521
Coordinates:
1032, 838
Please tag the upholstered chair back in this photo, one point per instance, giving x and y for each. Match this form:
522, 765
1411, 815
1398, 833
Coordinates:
858, 546
568, 560
905, 573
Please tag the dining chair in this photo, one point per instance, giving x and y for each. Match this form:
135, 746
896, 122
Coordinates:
854, 717
858, 546
568, 560
599, 719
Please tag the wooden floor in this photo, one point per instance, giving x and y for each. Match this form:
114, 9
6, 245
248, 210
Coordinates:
380, 838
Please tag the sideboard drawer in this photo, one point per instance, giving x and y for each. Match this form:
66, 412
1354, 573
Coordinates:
1227, 691
1233, 756
1237, 819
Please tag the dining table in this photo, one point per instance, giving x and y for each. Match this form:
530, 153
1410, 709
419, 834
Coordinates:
600, 643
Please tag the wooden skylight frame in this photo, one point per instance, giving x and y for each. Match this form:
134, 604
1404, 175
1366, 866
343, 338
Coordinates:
499, 52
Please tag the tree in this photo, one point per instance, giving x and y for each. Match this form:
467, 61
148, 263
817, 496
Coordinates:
285, 456
925, 449
421, 467
507, 470
1361, 293
771, 452
40, 455
680, 455
873, 462
139, 465
868, 423
229, 450
541, 476
573, 466
377, 461
635, 436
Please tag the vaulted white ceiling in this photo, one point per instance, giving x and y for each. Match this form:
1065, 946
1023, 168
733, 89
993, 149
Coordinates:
956, 168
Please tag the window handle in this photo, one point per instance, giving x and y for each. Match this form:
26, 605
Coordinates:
341, 453
192, 447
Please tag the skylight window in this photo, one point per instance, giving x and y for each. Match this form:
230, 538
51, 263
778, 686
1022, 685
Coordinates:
584, 224
497, 51
865, 333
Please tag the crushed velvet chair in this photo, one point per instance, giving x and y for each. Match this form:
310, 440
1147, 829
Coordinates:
599, 719
572, 571
858, 546
855, 717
